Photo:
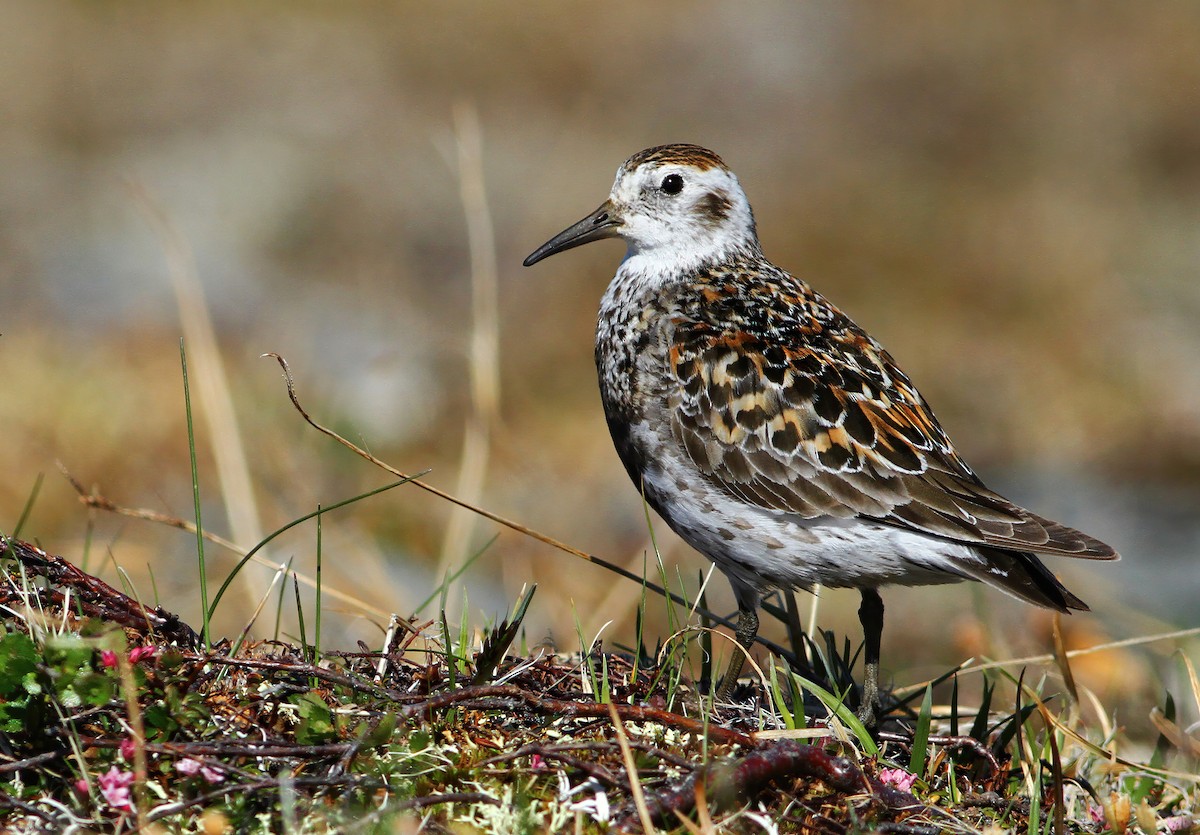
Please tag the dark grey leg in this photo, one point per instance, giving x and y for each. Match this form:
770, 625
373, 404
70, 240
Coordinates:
747, 629
870, 613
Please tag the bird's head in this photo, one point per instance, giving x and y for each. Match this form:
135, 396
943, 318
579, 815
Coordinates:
672, 204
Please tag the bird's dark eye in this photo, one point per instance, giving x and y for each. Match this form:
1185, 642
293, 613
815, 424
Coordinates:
672, 184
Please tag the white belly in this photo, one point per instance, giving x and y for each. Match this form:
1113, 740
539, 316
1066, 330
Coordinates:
765, 548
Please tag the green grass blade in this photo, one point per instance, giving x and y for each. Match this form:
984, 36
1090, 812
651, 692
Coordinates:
920, 747
837, 707
317, 624
980, 725
586, 652
304, 649
279, 603
707, 671
451, 667
191, 432
444, 589
640, 625
464, 636
605, 684
319, 511
89, 530
28, 508
954, 706
788, 715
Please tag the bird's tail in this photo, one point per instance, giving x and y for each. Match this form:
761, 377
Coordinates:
1023, 575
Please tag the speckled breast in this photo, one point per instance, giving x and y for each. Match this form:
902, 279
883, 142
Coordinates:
632, 333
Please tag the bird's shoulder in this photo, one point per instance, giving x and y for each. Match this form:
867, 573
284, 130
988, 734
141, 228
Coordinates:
758, 352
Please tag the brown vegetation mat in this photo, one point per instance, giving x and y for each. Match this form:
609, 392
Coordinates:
382, 733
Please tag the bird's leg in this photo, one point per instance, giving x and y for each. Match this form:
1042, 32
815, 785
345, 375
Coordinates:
870, 614
747, 629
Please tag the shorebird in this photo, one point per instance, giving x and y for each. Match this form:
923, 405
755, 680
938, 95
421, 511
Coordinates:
771, 432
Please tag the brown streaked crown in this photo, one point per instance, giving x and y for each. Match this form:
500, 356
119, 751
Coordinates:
677, 154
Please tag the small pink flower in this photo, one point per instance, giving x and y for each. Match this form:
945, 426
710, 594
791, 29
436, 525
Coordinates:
1096, 814
897, 777
126, 749
114, 785
138, 653
1177, 823
536, 762
108, 658
192, 767
81, 786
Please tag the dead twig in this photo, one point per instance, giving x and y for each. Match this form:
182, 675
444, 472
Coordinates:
732, 781
273, 750
558, 753
609, 747
571, 709
501, 520
951, 743
94, 597
30, 762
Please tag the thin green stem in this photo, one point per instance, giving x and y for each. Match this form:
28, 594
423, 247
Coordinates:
321, 510
187, 404
28, 508
317, 623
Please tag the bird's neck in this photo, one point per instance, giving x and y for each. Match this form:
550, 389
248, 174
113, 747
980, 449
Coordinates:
650, 269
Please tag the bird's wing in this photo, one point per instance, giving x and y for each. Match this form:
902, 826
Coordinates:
838, 431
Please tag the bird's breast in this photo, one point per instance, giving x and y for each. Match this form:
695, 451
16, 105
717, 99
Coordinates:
632, 365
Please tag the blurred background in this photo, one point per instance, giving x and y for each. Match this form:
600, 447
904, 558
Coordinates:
1009, 200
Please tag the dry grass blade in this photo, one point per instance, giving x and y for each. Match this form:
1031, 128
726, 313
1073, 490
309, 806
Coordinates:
1093, 748
1192, 680
92, 499
215, 400
129, 693
429, 488
702, 816
687, 824
635, 787
1175, 735
1060, 822
484, 365
687, 630
1061, 659
487, 514
1048, 658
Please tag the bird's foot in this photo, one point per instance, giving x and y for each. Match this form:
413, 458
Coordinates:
867, 713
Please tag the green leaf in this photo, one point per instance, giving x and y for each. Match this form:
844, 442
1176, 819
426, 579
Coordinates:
18, 658
419, 740
68, 654
159, 720
94, 688
379, 734
496, 644
317, 723
170, 659
20, 691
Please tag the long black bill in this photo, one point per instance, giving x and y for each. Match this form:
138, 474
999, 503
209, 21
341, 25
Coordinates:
600, 224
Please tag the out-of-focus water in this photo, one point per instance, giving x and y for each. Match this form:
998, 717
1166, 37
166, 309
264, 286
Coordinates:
1155, 528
